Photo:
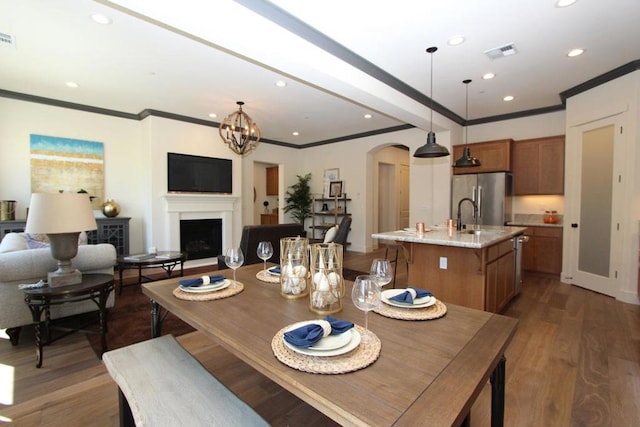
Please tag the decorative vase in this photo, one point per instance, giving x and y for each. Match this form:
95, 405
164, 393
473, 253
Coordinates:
327, 284
294, 267
110, 208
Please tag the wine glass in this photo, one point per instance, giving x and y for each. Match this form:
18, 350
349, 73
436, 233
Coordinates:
366, 296
234, 258
265, 251
382, 271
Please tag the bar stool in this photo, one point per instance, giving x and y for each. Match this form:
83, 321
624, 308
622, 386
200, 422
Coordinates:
397, 248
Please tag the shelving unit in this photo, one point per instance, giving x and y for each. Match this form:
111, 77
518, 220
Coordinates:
322, 220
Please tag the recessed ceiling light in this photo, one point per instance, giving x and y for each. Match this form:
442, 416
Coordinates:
72, 84
281, 83
101, 19
508, 98
456, 40
213, 115
575, 52
295, 134
488, 76
367, 116
565, 3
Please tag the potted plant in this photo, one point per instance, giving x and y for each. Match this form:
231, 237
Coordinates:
298, 199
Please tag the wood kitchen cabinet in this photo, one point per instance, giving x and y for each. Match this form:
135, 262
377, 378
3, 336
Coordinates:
538, 166
476, 278
272, 181
494, 156
267, 219
543, 252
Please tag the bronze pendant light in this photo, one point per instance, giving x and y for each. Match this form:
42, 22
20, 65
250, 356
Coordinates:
239, 131
466, 161
431, 148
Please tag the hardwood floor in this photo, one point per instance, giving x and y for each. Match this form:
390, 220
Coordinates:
574, 361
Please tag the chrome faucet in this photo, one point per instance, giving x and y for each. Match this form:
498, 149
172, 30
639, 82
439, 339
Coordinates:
459, 218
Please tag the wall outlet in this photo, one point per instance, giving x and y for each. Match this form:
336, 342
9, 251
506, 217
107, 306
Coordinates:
443, 262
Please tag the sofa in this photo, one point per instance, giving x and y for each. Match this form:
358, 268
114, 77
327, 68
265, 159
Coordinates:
20, 264
254, 234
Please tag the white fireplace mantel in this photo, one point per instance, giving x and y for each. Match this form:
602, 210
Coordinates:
182, 206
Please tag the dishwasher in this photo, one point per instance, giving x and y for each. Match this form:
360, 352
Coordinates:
518, 241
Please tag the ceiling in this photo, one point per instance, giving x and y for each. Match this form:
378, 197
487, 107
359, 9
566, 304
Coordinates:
339, 59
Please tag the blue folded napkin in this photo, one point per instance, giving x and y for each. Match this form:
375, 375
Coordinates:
189, 283
275, 270
407, 297
311, 333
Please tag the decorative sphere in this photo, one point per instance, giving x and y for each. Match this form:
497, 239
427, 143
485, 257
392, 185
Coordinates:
110, 208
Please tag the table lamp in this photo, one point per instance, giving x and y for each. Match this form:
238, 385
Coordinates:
61, 217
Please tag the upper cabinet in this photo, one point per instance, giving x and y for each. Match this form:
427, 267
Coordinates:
272, 181
494, 156
538, 166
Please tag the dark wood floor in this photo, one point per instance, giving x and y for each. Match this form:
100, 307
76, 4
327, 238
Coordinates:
574, 361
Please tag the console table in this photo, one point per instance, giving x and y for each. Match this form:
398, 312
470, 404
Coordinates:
110, 230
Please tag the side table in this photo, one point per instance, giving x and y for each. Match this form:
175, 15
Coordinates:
168, 261
94, 287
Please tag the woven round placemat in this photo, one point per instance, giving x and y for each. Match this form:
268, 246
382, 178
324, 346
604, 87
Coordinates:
434, 312
266, 277
233, 289
360, 357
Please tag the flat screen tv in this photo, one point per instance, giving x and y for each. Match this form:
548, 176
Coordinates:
197, 174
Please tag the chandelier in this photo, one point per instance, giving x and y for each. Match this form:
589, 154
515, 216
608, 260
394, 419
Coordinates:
239, 131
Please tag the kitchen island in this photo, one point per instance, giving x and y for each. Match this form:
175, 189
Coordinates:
473, 267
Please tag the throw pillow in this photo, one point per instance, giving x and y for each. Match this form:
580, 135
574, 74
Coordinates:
13, 242
331, 234
36, 241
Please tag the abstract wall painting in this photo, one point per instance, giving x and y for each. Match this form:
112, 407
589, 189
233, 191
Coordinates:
68, 165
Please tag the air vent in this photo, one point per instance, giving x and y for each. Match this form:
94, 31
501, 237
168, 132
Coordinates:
501, 52
7, 40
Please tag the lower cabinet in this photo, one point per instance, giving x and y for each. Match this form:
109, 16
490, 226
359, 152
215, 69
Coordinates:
500, 276
543, 252
267, 219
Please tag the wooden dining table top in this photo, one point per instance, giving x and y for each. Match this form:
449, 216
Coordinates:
428, 372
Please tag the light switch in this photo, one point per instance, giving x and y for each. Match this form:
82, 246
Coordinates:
443, 262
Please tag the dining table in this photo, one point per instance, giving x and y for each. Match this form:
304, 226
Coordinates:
427, 372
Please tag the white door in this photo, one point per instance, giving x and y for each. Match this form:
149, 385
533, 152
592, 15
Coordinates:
596, 190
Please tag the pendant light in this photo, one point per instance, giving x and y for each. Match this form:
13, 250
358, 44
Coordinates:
431, 148
239, 131
466, 161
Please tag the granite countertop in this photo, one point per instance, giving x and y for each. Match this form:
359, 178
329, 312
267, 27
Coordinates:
439, 235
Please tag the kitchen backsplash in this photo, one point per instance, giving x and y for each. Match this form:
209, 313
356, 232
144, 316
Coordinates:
533, 219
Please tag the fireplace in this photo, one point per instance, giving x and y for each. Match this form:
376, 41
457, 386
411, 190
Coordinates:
201, 238
186, 207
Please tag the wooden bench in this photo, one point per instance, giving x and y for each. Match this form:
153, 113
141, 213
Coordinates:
161, 384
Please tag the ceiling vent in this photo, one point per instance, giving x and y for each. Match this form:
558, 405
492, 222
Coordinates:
501, 52
7, 40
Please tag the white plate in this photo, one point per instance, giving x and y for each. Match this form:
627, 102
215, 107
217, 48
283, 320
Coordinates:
208, 288
352, 344
417, 302
273, 273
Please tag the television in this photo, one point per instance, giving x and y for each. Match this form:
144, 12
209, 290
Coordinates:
197, 174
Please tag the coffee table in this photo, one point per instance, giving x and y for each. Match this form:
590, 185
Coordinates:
168, 261
95, 287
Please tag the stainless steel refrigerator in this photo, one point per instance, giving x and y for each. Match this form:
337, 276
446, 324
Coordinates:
492, 192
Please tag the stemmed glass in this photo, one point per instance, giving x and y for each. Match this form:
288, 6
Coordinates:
234, 258
265, 251
382, 271
366, 296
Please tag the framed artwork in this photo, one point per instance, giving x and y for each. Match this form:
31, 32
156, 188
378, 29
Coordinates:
332, 174
329, 176
69, 165
335, 188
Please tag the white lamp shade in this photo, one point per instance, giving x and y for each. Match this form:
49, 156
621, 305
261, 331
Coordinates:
60, 213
